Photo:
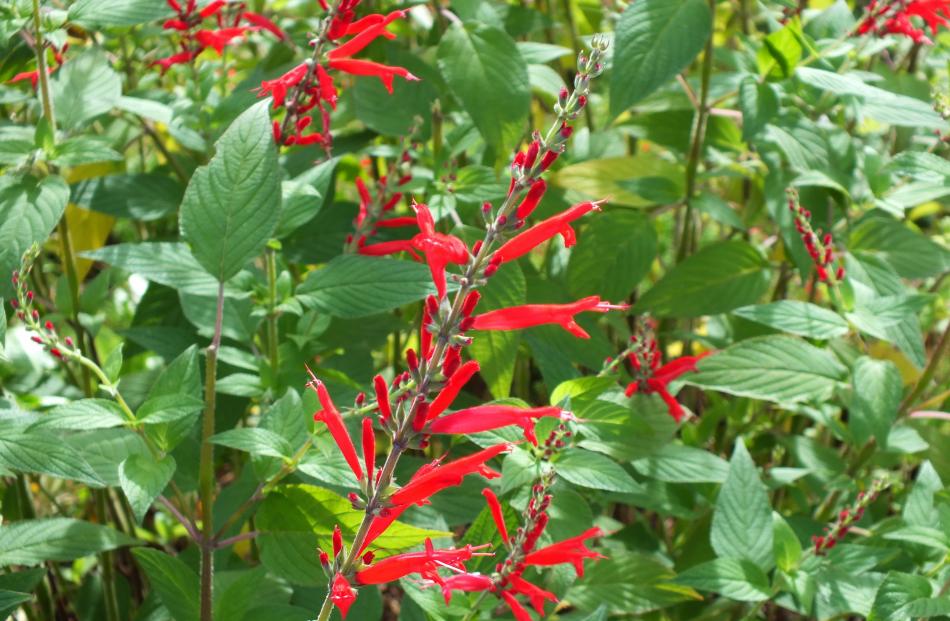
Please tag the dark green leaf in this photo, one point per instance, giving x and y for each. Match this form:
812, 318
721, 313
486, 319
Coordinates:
593, 470
143, 478
42, 452
32, 542
737, 579
176, 583
613, 275
496, 350
254, 440
876, 397
82, 415
166, 263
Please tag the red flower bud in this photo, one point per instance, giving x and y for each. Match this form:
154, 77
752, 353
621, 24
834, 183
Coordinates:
382, 398
337, 540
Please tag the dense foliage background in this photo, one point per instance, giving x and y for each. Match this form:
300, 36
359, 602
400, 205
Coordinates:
761, 434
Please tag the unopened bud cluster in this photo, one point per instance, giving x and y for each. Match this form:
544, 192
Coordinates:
820, 246
846, 519
44, 332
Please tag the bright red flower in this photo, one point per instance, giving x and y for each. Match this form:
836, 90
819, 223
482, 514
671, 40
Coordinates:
385, 248
570, 550
487, 417
385, 73
381, 386
396, 221
452, 388
334, 422
211, 8
342, 594
367, 30
466, 583
218, 39
440, 249
262, 22
175, 59
425, 563
516, 608
535, 594
439, 476
657, 378
32, 76
496, 513
529, 315
531, 199
369, 447
278, 87
525, 242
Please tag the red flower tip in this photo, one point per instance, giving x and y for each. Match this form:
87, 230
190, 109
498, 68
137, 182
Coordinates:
382, 398
516, 608
535, 594
342, 594
334, 422
488, 417
467, 583
437, 477
531, 199
264, 23
337, 540
531, 238
452, 388
426, 563
529, 315
570, 550
369, 447
218, 39
496, 513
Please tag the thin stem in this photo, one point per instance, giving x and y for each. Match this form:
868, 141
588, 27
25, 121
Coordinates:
188, 524
929, 371
224, 543
206, 465
41, 68
270, 256
106, 561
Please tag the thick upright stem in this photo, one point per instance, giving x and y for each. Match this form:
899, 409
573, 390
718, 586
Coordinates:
42, 73
206, 465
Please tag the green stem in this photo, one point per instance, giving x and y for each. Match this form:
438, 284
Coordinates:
270, 255
929, 371
206, 465
696, 148
41, 68
43, 594
106, 561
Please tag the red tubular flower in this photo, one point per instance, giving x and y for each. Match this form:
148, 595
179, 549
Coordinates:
425, 563
570, 550
367, 30
525, 242
440, 249
218, 39
452, 388
438, 477
496, 513
175, 59
382, 398
334, 422
385, 73
211, 8
487, 417
531, 199
369, 447
389, 247
535, 594
529, 315
262, 22
429, 309
337, 540
467, 583
656, 381
278, 87
516, 608
342, 594
396, 222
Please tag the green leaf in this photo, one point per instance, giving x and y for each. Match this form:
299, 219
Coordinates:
742, 521
168, 408
876, 397
254, 440
176, 584
3, 325
633, 243
759, 104
166, 263
304, 196
496, 350
896, 594
879, 104
81, 150
112, 365
783, 369
627, 583
82, 415
737, 579
84, 87
144, 196
785, 544
42, 452
485, 71
717, 279
655, 40
913, 255
355, 286
781, 51
30, 208
117, 12
232, 205
32, 542
801, 318
143, 478
596, 471
9, 600
611, 177
919, 509
675, 463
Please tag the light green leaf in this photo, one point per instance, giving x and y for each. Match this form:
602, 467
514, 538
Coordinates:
485, 71
759, 104
43, 452
30, 208
774, 368
675, 463
655, 40
232, 205
496, 350
596, 471
176, 583
919, 509
627, 583
896, 594
254, 440
117, 12
143, 478
717, 279
876, 397
84, 87
736, 579
633, 243
786, 546
32, 542
168, 408
83, 415
742, 521
355, 286
794, 317
913, 255
166, 263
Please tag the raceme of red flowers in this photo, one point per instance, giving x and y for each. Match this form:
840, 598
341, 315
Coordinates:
904, 17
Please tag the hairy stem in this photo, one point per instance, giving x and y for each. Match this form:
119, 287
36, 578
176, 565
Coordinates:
206, 481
